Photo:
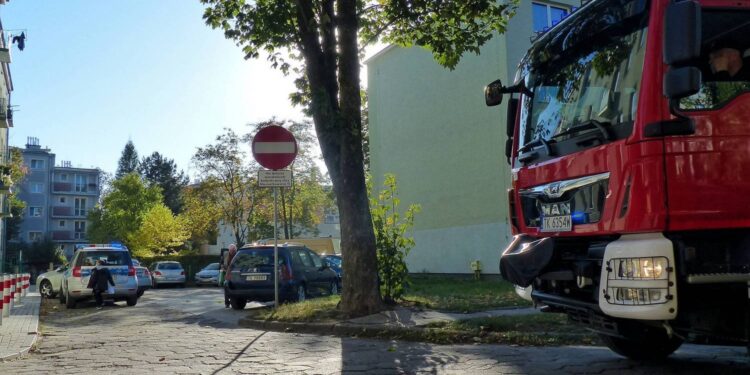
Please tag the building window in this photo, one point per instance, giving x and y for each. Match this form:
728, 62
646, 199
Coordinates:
80, 207
35, 236
35, 211
64, 177
62, 199
80, 231
37, 164
546, 15
62, 223
37, 187
80, 183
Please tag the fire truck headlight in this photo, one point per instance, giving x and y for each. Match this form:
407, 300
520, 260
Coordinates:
653, 268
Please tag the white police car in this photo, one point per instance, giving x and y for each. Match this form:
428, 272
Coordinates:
116, 258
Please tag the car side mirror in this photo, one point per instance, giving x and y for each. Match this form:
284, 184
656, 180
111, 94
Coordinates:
493, 93
682, 32
682, 82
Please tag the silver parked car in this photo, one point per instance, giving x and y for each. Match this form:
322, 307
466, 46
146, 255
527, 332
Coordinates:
116, 259
168, 272
50, 282
209, 275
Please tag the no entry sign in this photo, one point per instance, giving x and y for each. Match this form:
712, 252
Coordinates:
274, 147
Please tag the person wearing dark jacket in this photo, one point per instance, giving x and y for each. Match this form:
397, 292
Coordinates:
99, 281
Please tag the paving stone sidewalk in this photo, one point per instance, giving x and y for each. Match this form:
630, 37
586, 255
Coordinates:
19, 331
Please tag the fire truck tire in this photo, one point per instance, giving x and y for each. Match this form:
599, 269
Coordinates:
650, 347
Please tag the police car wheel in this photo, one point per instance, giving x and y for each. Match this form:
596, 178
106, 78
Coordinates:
61, 297
69, 302
131, 301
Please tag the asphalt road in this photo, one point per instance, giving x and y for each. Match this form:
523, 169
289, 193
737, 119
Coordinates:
190, 331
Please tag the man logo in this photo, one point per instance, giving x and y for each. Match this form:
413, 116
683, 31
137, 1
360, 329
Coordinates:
553, 190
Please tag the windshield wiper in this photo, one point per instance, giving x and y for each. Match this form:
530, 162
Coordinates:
590, 124
538, 142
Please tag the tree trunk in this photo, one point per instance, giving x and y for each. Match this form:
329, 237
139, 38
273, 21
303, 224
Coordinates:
360, 290
338, 126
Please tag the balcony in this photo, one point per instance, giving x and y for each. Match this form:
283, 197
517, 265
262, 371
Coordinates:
62, 235
67, 211
62, 187
62, 211
6, 114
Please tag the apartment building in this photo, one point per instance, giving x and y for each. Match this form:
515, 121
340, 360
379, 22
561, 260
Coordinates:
430, 127
58, 198
6, 122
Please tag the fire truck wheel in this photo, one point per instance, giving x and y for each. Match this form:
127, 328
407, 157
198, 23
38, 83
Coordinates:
649, 347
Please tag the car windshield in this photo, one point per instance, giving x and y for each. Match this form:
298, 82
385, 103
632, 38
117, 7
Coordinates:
254, 258
212, 267
169, 266
109, 258
585, 78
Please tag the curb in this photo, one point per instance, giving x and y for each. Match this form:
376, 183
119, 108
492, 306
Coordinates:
332, 329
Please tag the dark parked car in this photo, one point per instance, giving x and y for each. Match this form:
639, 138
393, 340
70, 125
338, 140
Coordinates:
334, 262
302, 273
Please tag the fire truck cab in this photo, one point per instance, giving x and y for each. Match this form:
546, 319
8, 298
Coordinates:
629, 142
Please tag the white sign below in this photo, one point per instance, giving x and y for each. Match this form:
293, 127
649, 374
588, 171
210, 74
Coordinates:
279, 178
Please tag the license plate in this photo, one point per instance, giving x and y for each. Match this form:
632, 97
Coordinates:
557, 223
256, 278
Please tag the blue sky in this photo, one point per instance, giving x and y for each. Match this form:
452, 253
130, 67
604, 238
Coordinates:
97, 73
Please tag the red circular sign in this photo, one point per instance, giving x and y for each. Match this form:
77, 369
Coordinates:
274, 147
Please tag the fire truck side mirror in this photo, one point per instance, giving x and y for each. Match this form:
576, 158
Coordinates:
682, 82
493, 93
682, 32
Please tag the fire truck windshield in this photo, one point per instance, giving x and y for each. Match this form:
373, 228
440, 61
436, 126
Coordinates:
585, 79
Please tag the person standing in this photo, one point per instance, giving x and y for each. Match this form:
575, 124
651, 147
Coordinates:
227, 261
99, 281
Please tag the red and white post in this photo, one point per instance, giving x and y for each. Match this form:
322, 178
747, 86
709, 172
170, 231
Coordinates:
2, 297
19, 286
27, 285
11, 287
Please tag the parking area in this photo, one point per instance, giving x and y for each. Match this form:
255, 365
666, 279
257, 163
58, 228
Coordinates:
188, 330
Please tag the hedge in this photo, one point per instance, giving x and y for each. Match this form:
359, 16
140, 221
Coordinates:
191, 263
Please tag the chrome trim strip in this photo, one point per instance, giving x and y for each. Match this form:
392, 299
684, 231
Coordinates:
558, 188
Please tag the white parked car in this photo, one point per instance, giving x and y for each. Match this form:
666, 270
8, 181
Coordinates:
49, 283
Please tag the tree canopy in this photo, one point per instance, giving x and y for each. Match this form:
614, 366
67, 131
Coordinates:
321, 41
162, 172
128, 162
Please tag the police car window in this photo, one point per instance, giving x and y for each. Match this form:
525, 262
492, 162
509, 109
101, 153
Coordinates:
110, 258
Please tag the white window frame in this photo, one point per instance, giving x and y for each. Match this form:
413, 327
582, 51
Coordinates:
79, 230
39, 236
39, 164
63, 177
79, 207
81, 188
35, 208
549, 10
35, 185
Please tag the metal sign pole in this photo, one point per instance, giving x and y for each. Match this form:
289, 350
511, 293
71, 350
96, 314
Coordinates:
275, 250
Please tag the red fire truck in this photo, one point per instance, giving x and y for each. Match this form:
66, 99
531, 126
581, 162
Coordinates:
630, 155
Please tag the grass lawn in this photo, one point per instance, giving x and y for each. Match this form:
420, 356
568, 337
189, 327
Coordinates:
322, 309
461, 294
445, 293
